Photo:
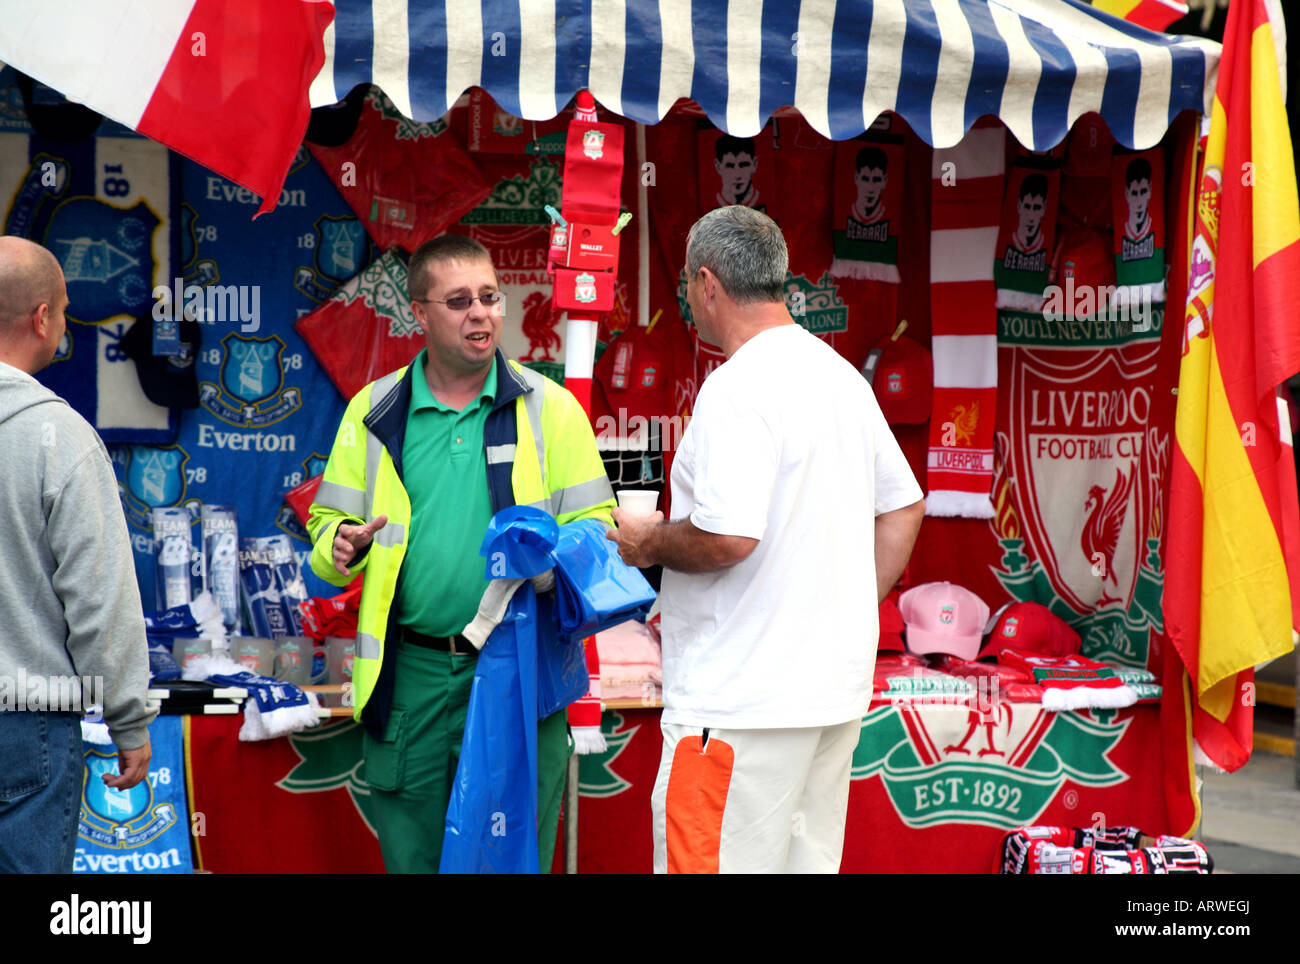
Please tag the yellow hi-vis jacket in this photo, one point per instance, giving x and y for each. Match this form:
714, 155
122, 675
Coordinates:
540, 452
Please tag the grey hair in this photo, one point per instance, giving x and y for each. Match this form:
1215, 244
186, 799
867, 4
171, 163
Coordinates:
744, 248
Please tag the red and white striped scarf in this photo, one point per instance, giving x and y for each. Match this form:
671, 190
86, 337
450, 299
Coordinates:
966, 198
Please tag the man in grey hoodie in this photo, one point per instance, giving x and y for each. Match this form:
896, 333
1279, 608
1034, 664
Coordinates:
71, 625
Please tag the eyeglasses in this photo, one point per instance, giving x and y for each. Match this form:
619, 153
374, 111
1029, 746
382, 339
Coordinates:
461, 302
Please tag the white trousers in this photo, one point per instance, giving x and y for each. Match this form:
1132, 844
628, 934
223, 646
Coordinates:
752, 801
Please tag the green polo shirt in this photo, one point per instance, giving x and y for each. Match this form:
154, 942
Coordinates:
444, 470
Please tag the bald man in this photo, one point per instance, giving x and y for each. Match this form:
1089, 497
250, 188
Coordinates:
73, 628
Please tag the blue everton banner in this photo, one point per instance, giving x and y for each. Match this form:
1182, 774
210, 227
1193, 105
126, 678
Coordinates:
267, 412
144, 830
104, 207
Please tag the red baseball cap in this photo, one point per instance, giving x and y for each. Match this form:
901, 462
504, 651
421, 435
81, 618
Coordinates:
634, 373
1032, 628
903, 379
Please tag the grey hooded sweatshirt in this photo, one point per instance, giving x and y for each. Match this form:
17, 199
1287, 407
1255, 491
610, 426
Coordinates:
69, 606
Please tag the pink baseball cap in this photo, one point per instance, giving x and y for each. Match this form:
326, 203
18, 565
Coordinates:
943, 618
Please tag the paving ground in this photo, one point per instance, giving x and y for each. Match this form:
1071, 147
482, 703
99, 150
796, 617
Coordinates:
1251, 818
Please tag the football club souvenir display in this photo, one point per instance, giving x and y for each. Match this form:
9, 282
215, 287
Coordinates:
1007, 312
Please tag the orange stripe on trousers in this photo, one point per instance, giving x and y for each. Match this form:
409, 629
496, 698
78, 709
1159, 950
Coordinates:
697, 795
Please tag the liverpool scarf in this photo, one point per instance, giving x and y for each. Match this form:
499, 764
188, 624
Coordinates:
868, 208
966, 194
1137, 202
1072, 682
1027, 234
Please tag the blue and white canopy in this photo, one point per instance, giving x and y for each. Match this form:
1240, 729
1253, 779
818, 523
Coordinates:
1036, 64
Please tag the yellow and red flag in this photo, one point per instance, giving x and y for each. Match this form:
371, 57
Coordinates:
1152, 14
1233, 572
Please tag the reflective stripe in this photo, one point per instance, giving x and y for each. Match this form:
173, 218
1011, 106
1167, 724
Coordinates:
533, 402
341, 497
543, 504
500, 453
383, 390
584, 495
391, 534
374, 451
367, 646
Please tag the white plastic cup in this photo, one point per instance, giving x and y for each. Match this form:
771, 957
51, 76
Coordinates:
638, 501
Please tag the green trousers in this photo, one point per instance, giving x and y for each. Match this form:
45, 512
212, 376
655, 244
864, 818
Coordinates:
410, 771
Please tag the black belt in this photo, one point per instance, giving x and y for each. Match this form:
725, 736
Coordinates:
457, 644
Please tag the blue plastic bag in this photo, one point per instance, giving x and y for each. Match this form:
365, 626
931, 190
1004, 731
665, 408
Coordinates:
595, 588
532, 665
491, 824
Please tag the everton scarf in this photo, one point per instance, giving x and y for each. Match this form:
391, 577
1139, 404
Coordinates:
1137, 202
1026, 238
966, 194
868, 208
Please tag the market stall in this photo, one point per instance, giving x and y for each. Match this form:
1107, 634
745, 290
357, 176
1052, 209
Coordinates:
1061, 413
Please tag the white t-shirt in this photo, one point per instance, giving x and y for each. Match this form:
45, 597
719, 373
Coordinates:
787, 445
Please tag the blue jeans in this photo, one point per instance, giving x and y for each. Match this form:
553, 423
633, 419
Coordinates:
41, 770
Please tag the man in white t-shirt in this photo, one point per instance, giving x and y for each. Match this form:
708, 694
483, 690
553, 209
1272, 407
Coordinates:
791, 502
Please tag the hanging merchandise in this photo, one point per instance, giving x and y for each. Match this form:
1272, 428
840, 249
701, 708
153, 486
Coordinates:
1137, 193
735, 170
267, 412
178, 561
1026, 239
167, 379
407, 182
966, 190
105, 207
901, 374
265, 613
868, 211
220, 533
586, 282
366, 329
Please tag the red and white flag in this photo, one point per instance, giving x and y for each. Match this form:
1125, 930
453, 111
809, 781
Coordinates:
223, 82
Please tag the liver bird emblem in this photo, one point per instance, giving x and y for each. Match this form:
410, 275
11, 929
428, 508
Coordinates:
1101, 532
539, 327
964, 420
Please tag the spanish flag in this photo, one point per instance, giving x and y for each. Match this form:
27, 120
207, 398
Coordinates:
1152, 14
1232, 569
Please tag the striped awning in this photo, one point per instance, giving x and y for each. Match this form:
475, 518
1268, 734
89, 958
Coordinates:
1036, 64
